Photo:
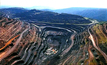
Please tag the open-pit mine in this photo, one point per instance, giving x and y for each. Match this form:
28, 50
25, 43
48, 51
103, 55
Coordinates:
23, 43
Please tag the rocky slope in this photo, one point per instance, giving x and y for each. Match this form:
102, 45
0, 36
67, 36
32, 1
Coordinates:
22, 43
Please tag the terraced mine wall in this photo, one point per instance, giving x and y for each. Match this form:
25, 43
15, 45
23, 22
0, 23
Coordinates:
23, 43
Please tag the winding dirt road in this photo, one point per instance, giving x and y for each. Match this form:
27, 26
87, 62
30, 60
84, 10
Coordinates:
91, 56
9, 42
15, 46
67, 50
72, 38
94, 44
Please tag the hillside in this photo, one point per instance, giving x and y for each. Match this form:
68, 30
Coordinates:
71, 10
43, 16
11, 11
98, 14
94, 13
46, 16
23, 43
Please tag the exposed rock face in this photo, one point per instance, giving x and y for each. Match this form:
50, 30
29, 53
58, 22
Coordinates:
22, 43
